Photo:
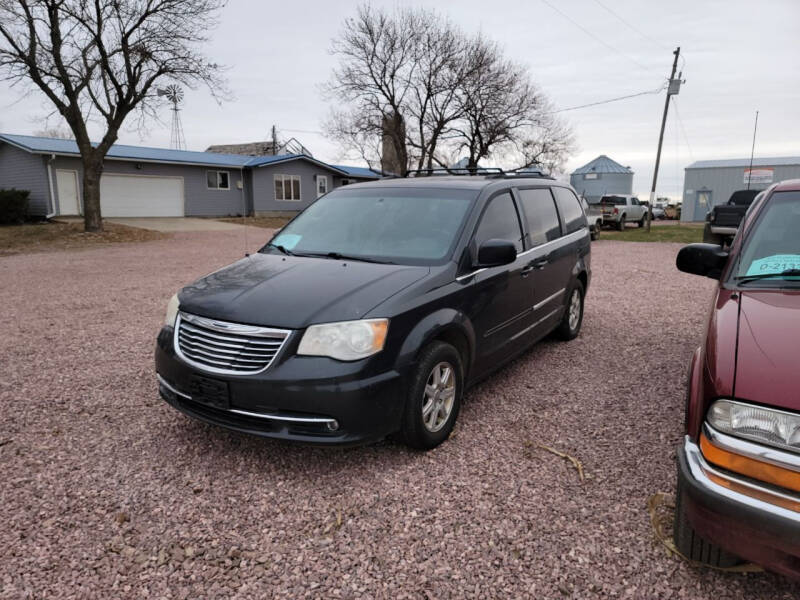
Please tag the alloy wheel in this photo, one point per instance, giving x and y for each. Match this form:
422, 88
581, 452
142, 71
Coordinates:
574, 310
438, 397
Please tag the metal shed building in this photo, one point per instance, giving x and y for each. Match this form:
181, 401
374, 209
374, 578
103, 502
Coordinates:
707, 183
600, 177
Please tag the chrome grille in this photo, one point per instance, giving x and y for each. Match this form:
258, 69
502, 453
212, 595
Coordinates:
223, 347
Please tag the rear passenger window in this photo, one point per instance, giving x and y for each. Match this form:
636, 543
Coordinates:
570, 209
500, 222
540, 215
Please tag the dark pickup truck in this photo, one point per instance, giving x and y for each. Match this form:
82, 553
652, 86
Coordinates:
722, 221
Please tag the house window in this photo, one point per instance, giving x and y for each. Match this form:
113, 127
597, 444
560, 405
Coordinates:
218, 180
287, 187
322, 185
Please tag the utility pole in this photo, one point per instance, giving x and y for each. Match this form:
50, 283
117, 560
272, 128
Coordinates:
672, 90
752, 151
274, 140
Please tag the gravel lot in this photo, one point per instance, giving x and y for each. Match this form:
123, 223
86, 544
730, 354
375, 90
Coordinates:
108, 492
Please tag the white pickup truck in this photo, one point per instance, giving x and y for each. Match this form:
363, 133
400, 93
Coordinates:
619, 209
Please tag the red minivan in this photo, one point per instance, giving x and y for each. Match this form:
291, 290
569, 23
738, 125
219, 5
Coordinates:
739, 463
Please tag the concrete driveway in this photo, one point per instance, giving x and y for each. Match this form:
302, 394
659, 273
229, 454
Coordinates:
173, 224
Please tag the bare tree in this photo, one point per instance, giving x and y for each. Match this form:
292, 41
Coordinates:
418, 91
101, 60
378, 55
546, 145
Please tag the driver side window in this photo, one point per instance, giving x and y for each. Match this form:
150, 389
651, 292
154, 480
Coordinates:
500, 221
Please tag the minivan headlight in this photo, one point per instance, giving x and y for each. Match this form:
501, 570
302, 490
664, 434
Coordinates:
172, 311
347, 340
765, 425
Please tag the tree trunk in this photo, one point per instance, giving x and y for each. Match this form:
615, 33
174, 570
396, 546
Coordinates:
92, 220
394, 155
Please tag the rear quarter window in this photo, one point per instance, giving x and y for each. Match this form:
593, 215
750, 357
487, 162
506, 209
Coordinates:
570, 209
540, 215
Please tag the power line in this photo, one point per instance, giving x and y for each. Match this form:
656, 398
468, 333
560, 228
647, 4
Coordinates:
303, 131
631, 27
640, 32
593, 36
617, 99
683, 130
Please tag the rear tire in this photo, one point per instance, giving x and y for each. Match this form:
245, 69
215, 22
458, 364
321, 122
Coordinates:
571, 322
621, 223
692, 546
433, 401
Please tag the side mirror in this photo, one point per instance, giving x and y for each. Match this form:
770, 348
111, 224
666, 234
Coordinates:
494, 253
702, 259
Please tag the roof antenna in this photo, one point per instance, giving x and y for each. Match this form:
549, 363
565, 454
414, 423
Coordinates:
752, 151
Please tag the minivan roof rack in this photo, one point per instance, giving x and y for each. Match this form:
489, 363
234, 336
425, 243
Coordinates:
453, 171
489, 172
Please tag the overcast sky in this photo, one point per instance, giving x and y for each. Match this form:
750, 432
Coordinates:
740, 56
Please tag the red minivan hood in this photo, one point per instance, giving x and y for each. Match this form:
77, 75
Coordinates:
768, 357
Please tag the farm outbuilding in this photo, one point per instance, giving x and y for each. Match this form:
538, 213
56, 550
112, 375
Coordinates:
708, 183
600, 177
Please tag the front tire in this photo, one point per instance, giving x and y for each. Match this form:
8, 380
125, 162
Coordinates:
691, 545
641, 221
434, 397
571, 322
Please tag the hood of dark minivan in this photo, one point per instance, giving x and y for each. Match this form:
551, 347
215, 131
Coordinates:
293, 291
768, 348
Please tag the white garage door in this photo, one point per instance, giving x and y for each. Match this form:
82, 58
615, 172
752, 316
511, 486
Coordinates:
137, 196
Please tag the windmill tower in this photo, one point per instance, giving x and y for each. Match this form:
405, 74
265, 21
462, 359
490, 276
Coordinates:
174, 94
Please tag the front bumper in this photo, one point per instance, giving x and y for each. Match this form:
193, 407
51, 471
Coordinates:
736, 513
306, 399
723, 230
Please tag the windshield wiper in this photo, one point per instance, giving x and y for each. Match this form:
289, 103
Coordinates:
787, 272
340, 256
283, 249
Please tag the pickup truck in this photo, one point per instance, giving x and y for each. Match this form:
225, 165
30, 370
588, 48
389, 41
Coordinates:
618, 209
722, 221
594, 217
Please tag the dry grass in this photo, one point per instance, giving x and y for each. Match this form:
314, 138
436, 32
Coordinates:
682, 233
50, 236
266, 222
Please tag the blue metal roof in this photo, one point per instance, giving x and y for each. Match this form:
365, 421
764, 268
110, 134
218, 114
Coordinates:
745, 162
40, 145
602, 164
362, 172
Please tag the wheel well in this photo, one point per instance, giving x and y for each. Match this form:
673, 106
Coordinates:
584, 279
459, 341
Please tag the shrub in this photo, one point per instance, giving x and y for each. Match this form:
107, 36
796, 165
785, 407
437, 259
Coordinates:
13, 206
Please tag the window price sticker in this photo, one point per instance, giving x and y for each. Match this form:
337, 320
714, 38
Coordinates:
777, 263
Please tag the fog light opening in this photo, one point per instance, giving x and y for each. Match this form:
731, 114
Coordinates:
332, 425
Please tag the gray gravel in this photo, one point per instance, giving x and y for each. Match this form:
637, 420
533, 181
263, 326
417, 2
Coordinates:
108, 492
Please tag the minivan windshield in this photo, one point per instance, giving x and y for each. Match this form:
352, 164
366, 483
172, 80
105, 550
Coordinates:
392, 224
771, 252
